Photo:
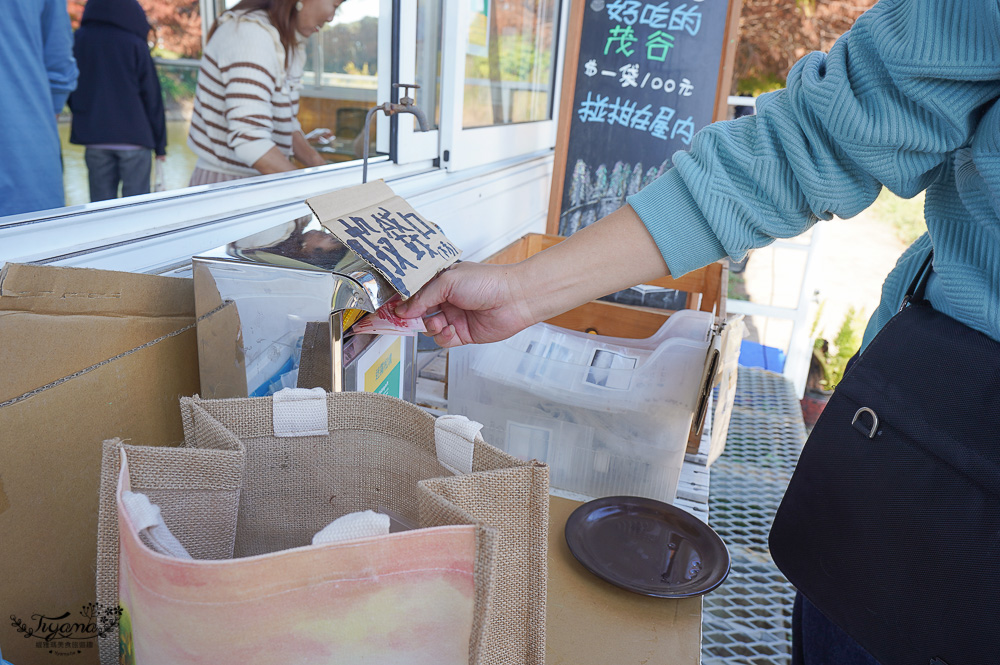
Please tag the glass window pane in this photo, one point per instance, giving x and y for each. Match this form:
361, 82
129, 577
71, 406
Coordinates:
429, 59
341, 80
175, 44
176, 27
178, 81
510, 61
339, 84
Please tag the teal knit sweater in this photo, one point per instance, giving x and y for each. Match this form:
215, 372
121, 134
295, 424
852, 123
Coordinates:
905, 100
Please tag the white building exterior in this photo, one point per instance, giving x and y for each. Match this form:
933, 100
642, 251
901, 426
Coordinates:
484, 186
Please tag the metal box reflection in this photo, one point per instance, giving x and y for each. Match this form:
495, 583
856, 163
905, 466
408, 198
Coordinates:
277, 300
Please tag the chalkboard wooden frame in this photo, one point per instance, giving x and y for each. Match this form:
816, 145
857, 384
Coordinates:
570, 71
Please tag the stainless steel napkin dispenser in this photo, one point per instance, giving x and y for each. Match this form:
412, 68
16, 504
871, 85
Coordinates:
271, 310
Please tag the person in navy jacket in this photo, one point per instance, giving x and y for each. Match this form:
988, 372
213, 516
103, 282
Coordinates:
117, 105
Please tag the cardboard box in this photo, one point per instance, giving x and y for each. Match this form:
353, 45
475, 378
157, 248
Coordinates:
706, 291
87, 355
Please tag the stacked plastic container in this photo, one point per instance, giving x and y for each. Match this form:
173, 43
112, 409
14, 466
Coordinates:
610, 415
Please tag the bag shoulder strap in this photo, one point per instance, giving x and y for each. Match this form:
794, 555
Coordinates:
918, 286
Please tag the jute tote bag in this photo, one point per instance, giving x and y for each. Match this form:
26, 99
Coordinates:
258, 478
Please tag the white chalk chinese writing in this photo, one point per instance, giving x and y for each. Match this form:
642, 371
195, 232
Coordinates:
626, 113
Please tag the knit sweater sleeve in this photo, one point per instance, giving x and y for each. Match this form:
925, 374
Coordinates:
250, 71
894, 97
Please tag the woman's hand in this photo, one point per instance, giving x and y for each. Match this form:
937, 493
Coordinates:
471, 303
474, 303
273, 161
304, 152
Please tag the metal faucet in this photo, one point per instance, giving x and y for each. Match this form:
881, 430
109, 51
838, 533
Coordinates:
405, 105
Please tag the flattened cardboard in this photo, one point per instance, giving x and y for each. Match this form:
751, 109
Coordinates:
385, 230
220, 332
87, 355
68, 302
591, 622
732, 336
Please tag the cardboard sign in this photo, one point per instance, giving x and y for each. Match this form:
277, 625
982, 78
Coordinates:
388, 233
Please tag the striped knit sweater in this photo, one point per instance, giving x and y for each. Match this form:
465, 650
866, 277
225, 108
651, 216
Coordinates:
905, 100
247, 100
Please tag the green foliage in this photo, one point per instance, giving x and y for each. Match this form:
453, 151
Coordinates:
177, 83
815, 325
845, 344
754, 86
736, 288
808, 7
519, 61
905, 215
351, 68
349, 47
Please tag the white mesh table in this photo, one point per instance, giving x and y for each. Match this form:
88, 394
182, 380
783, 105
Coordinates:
747, 621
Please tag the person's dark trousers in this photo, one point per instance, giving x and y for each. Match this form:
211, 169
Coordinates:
109, 168
818, 641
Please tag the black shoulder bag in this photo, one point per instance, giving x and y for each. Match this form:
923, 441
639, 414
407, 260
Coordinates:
891, 521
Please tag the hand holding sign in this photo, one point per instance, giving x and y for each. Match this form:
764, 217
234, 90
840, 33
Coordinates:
388, 233
473, 303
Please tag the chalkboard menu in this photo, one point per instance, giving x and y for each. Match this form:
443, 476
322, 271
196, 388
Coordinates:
647, 78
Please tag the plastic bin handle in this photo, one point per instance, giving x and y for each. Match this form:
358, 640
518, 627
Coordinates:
707, 381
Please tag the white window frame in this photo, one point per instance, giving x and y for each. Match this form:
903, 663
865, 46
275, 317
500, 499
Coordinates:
416, 152
454, 146
463, 148
412, 145
158, 232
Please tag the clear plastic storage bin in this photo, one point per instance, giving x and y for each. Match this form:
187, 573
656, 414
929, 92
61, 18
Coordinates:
610, 415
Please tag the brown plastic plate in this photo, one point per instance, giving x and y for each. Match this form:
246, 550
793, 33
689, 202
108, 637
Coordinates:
647, 546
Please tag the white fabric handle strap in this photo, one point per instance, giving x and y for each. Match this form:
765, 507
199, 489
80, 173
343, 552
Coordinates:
363, 524
300, 412
148, 521
454, 439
